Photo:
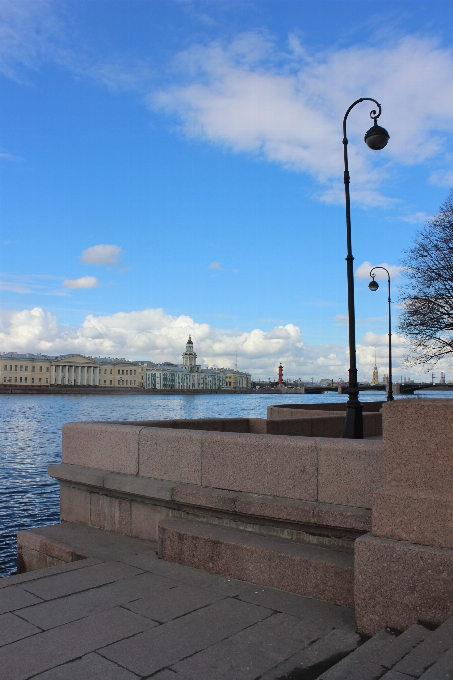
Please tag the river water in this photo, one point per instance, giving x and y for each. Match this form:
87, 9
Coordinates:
32, 440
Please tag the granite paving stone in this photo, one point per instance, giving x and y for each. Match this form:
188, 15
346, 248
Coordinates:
305, 608
15, 598
330, 648
397, 647
194, 668
228, 587
166, 605
149, 561
442, 669
428, 652
144, 560
22, 659
91, 577
394, 675
194, 577
260, 647
89, 667
169, 643
39, 574
353, 664
366, 670
170, 675
54, 613
13, 628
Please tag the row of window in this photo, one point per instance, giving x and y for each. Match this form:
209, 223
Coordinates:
40, 380
32, 380
21, 367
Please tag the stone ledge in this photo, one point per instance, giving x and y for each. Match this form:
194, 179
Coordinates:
146, 487
288, 565
73, 543
35, 551
173, 495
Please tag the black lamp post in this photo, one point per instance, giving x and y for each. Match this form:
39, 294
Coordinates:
376, 138
373, 286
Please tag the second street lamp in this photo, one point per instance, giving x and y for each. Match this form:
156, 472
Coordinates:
376, 138
373, 286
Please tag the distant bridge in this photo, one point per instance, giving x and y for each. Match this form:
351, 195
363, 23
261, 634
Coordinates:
404, 388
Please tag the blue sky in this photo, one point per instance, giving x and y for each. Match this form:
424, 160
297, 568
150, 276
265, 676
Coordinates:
173, 166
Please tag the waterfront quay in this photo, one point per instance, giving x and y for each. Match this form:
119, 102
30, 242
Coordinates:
242, 548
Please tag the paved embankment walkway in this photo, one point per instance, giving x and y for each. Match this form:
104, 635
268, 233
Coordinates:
123, 614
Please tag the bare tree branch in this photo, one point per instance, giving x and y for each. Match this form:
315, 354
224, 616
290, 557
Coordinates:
427, 296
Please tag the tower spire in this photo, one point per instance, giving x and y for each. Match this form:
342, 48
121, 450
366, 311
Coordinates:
375, 378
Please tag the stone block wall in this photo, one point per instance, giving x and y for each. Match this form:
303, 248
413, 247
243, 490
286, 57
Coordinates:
404, 567
127, 477
389, 502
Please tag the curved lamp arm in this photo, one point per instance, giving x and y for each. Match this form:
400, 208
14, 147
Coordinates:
379, 267
373, 114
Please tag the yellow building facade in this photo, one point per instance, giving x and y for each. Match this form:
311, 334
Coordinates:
69, 369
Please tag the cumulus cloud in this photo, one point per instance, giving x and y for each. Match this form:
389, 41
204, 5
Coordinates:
102, 254
287, 107
152, 334
83, 282
363, 270
29, 330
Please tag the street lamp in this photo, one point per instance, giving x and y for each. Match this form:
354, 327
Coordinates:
373, 286
376, 138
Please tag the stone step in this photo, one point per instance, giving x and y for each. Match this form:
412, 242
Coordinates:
379, 655
294, 566
422, 661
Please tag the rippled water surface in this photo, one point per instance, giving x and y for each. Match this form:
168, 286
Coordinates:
31, 440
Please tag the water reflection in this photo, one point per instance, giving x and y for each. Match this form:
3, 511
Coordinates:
32, 440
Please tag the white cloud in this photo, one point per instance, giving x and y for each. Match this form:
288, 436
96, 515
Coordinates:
83, 282
151, 334
288, 107
10, 157
27, 329
31, 33
102, 254
442, 178
363, 270
215, 265
283, 105
417, 218
25, 284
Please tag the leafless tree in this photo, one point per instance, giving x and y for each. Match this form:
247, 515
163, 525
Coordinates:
427, 294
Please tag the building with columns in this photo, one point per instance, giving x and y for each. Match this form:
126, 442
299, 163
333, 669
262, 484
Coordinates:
190, 376
69, 369
80, 370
